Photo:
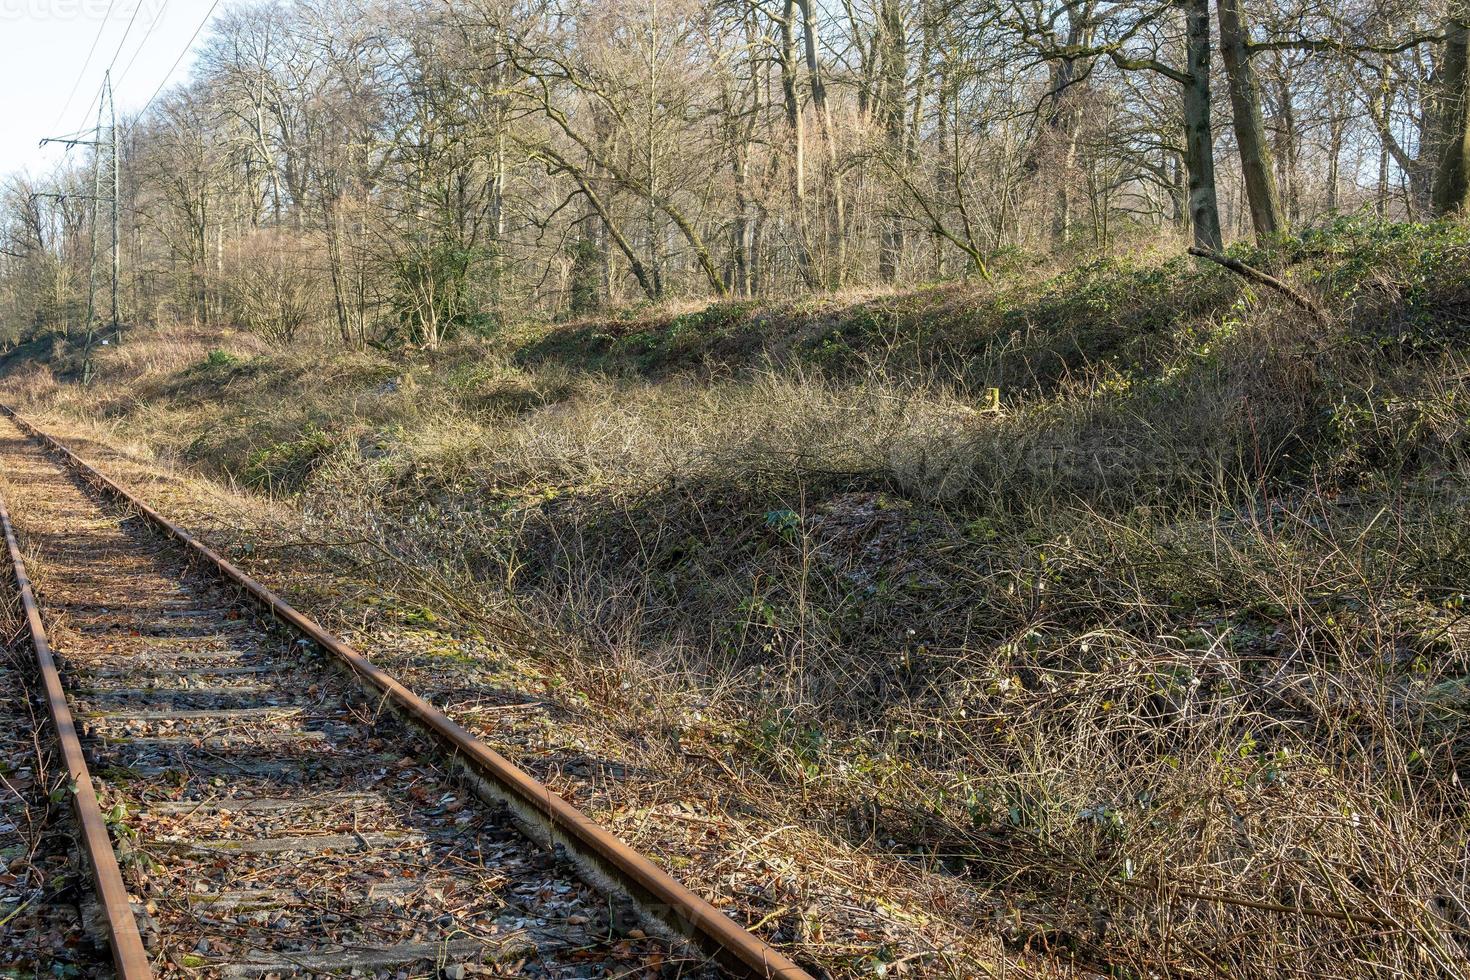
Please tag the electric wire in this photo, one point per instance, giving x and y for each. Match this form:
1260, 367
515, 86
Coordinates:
124, 39
117, 82
86, 64
180, 59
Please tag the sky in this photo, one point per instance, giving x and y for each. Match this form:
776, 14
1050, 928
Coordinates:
43, 50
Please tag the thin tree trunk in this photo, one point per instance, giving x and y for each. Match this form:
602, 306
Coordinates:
1334, 165
944, 169
1063, 123
1289, 159
1250, 127
739, 280
797, 128
837, 204
635, 265
1384, 156
893, 74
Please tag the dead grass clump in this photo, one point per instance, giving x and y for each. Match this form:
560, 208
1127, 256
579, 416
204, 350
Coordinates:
34, 385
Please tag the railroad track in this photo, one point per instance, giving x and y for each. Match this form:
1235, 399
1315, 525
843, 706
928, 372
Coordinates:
256, 799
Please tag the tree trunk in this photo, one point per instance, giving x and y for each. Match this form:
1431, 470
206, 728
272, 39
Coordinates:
1419, 169
1383, 161
1199, 142
739, 280
1178, 205
1451, 185
893, 75
943, 170
650, 286
1334, 163
1250, 127
836, 200
794, 123
1289, 155
1063, 123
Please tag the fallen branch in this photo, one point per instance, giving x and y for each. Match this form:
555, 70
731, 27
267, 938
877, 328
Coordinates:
1260, 278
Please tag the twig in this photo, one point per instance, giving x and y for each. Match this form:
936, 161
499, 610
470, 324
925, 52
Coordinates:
17, 911
742, 851
717, 761
1265, 906
1260, 278
768, 917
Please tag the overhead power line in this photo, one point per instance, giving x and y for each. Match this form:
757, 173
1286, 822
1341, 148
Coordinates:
87, 64
180, 59
139, 50
124, 39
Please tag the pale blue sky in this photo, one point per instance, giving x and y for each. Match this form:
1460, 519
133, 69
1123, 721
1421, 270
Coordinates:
44, 45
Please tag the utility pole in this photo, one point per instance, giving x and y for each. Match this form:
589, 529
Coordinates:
96, 196
100, 143
116, 201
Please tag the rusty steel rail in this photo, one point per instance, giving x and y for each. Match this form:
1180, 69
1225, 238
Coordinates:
603, 858
128, 956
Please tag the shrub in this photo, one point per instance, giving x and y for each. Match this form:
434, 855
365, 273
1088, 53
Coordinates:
270, 288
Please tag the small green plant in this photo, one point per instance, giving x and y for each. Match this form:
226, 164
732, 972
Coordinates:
784, 521
287, 465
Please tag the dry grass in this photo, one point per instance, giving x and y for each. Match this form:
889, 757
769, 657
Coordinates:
1163, 666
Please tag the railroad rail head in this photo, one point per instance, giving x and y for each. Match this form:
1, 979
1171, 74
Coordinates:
130, 960
605, 861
